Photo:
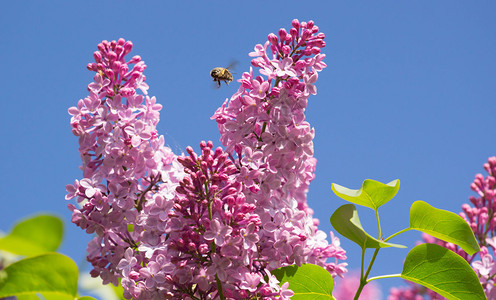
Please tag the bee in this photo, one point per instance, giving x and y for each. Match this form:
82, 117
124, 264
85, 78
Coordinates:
222, 74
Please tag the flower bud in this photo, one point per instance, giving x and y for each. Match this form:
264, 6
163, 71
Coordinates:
273, 39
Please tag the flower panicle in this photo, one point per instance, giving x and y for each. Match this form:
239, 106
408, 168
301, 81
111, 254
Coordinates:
210, 224
264, 130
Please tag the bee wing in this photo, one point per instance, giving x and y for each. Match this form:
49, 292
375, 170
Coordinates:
232, 65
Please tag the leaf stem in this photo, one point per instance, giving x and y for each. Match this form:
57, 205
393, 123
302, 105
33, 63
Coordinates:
378, 223
397, 233
363, 277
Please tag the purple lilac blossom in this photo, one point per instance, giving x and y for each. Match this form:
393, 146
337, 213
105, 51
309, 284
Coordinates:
173, 226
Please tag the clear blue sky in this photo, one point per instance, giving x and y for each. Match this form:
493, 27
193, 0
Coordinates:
409, 93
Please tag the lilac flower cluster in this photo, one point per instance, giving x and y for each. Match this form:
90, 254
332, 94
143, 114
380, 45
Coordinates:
481, 216
209, 225
264, 130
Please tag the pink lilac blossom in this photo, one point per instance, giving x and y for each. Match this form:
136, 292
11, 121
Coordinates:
481, 216
264, 131
207, 225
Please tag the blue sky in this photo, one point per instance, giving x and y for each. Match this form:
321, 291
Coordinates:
409, 93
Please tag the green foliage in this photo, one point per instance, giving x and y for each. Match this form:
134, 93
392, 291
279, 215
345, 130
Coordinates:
307, 282
53, 275
432, 266
371, 194
33, 236
442, 271
345, 220
444, 225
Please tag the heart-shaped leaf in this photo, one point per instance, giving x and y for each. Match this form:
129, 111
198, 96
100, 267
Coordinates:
307, 281
345, 220
443, 225
442, 271
48, 273
371, 194
34, 236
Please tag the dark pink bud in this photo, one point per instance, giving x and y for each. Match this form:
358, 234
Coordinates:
230, 169
273, 39
238, 148
98, 56
101, 47
293, 32
121, 41
300, 65
214, 189
295, 23
180, 190
113, 44
286, 49
282, 34
112, 56
109, 73
315, 50
306, 34
223, 176
134, 275
203, 248
310, 24
210, 159
273, 48
128, 46
119, 50
190, 151
230, 200
123, 70
135, 59
191, 246
205, 152
92, 67
116, 65
218, 152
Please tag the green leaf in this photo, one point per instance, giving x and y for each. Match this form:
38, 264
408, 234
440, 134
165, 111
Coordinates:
442, 271
86, 298
34, 236
307, 282
371, 194
27, 297
443, 225
345, 220
45, 296
47, 273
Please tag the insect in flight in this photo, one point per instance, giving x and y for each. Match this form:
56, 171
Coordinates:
222, 74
